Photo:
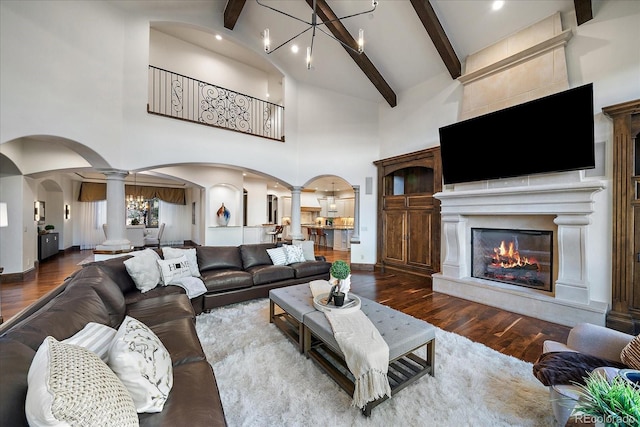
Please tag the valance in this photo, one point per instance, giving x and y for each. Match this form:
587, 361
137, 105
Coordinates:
94, 191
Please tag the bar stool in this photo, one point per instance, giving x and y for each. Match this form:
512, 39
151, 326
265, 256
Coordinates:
275, 232
311, 234
321, 235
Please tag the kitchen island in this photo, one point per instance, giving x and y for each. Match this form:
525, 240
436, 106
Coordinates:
338, 236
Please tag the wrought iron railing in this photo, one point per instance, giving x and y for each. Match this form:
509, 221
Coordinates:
184, 98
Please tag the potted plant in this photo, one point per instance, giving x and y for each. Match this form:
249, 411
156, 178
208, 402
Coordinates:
341, 277
614, 403
49, 227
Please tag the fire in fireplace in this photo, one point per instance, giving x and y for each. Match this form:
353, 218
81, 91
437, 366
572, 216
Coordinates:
517, 257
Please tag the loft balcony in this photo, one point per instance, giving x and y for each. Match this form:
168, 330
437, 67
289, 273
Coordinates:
184, 98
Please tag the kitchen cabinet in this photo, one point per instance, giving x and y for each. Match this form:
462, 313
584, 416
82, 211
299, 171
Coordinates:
47, 245
324, 206
408, 214
345, 208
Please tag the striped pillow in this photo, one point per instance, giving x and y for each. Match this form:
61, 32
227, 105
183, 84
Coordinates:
278, 256
95, 337
630, 354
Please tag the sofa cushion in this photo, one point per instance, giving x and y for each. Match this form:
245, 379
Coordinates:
278, 256
108, 291
180, 338
218, 258
173, 269
95, 337
144, 270
271, 273
116, 270
15, 360
568, 367
143, 364
62, 317
190, 253
256, 254
294, 254
70, 385
311, 268
132, 297
161, 309
226, 280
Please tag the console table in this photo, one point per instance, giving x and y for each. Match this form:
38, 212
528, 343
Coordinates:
47, 245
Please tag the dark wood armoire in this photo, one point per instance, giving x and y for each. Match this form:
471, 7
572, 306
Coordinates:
408, 214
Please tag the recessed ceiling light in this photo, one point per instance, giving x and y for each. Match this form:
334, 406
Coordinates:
497, 4
218, 37
294, 48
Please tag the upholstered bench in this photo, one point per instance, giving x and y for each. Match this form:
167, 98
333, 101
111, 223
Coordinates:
296, 301
411, 341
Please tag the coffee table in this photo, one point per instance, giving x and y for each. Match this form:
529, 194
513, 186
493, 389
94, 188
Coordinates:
411, 341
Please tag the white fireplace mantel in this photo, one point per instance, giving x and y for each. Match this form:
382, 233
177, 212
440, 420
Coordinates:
570, 205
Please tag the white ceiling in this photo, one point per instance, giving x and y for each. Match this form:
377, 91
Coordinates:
395, 40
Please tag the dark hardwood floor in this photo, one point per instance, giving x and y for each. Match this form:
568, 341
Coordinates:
509, 333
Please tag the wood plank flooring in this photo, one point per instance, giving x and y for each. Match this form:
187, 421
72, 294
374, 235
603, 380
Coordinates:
509, 333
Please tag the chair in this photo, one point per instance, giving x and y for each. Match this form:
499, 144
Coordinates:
151, 240
321, 235
312, 235
586, 338
274, 234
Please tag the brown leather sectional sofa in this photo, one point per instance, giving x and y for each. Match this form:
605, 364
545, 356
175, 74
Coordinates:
103, 292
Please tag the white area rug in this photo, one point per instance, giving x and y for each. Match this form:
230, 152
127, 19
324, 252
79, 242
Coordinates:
264, 381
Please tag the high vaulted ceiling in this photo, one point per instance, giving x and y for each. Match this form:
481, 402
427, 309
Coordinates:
407, 42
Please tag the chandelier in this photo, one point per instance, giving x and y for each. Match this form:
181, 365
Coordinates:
136, 200
315, 25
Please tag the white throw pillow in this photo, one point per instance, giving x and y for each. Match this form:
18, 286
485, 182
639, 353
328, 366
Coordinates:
294, 254
143, 364
308, 249
70, 385
95, 337
192, 257
143, 269
171, 269
278, 256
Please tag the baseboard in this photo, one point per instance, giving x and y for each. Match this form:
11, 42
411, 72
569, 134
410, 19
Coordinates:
363, 267
19, 277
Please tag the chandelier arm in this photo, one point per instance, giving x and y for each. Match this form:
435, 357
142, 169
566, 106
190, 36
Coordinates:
282, 44
341, 42
283, 13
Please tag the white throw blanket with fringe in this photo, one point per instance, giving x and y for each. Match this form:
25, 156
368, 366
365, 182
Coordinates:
365, 351
194, 286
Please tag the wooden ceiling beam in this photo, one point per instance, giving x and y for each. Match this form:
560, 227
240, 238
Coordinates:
440, 40
232, 12
325, 13
584, 12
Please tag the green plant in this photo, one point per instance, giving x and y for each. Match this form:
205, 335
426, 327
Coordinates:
135, 221
340, 270
49, 227
615, 403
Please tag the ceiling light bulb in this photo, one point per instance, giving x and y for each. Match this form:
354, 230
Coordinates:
294, 48
497, 4
308, 58
360, 40
267, 42
218, 37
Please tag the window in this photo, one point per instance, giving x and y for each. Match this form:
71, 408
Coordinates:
143, 212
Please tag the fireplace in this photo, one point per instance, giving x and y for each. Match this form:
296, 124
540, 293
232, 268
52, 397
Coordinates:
513, 256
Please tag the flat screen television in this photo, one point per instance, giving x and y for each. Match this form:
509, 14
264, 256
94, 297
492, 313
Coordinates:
550, 134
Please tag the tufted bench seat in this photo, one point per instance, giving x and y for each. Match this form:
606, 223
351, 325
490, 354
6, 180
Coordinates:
411, 341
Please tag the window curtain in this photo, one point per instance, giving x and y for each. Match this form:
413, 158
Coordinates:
92, 215
177, 220
94, 191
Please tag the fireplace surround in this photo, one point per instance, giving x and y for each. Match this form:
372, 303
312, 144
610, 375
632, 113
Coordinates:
564, 208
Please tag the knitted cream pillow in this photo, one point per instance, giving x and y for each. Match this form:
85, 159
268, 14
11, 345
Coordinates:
70, 385
630, 354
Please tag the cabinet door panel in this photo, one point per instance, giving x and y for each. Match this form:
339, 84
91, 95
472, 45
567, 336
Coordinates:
394, 236
420, 226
